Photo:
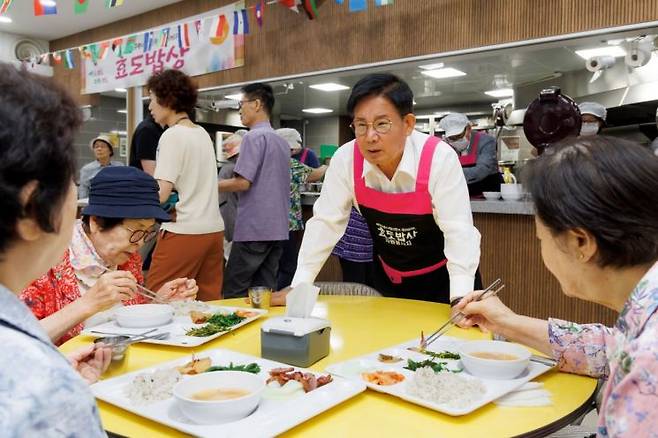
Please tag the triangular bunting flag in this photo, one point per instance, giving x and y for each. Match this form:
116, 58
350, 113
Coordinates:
57, 57
198, 24
311, 9
291, 4
163, 38
383, 2
240, 22
80, 6
220, 30
104, 48
129, 45
183, 35
113, 3
40, 9
68, 59
258, 12
117, 47
148, 41
358, 5
4, 7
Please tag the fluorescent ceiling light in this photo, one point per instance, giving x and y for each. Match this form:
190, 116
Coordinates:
443, 73
432, 66
501, 92
5, 19
120, 90
123, 111
329, 86
616, 51
236, 96
317, 110
49, 3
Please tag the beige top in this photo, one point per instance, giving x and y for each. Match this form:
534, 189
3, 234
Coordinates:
186, 158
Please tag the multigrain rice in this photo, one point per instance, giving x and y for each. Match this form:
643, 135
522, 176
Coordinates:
147, 388
445, 388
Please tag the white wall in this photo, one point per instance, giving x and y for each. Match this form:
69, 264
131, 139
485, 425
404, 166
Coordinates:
9, 40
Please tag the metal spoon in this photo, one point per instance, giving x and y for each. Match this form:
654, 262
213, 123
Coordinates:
123, 334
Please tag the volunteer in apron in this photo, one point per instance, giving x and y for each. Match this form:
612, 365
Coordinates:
410, 189
476, 152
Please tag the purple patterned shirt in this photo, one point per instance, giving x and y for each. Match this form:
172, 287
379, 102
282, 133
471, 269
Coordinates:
627, 355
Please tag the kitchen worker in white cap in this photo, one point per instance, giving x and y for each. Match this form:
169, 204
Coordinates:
476, 152
103, 148
593, 115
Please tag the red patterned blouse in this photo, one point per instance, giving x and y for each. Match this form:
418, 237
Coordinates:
59, 287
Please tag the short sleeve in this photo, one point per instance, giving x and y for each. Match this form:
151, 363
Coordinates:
252, 151
146, 144
170, 158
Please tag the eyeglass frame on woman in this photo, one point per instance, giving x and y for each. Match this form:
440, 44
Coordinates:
146, 235
387, 122
242, 102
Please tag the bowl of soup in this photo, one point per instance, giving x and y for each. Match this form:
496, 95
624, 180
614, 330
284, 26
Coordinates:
219, 396
494, 359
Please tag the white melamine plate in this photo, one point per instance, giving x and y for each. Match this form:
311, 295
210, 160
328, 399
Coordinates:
494, 389
176, 328
271, 418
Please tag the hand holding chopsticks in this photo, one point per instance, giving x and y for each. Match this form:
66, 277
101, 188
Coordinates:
490, 291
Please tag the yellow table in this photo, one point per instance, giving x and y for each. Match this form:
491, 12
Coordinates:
361, 325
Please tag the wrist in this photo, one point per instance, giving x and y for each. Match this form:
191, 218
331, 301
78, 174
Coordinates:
84, 308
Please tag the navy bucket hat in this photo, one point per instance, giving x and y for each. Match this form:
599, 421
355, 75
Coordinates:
125, 193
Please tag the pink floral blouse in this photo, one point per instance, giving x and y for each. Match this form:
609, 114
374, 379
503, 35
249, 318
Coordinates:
626, 355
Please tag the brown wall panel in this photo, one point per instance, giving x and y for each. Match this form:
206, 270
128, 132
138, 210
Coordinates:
289, 43
510, 251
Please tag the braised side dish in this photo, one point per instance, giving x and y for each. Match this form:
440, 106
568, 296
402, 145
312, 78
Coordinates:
308, 380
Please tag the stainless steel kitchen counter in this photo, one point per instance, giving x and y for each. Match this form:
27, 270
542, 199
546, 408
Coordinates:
478, 206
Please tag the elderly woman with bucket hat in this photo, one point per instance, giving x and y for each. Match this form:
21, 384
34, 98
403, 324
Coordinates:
102, 266
103, 148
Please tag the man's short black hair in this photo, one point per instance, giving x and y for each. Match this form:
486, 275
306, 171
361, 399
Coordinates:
38, 122
382, 84
262, 92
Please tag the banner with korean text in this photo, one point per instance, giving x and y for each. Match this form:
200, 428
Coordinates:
195, 45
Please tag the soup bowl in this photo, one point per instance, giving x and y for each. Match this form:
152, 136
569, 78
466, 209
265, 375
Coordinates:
494, 359
204, 411
144, 315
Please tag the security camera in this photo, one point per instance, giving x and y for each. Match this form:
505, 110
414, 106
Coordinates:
638, 53
217, 105
599, 63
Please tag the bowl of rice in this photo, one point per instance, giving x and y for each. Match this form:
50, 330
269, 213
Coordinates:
494, 359
219, 396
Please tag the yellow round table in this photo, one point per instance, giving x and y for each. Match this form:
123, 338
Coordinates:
361, 325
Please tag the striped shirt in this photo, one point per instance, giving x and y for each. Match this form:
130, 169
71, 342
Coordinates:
356, 243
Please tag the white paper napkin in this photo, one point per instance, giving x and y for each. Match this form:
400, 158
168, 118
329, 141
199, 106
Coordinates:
301, 300
528, 395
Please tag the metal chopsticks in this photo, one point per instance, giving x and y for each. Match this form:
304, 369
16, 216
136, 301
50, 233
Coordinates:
146, 293
492, 290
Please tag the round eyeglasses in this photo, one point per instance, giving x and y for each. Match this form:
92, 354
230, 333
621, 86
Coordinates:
138, 235
380, 127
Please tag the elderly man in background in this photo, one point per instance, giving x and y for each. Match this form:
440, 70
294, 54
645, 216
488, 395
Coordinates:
262, 176
228, 201
103, 148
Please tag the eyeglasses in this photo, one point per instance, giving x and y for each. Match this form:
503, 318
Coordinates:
242, 102
380, 127
138, 235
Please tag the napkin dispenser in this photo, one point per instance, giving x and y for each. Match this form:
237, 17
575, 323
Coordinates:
296, 341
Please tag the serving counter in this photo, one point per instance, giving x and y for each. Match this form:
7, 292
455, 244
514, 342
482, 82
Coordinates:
510, 251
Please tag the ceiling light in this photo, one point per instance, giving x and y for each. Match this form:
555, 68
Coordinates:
501, 92
237, 96
443, 73
5, 19
48, 3
432, 66
317, 110
120, 90
122, 111
329, 86
615, 51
